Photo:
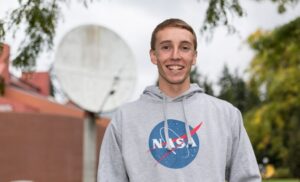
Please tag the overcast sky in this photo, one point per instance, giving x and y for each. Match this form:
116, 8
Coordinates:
134, 21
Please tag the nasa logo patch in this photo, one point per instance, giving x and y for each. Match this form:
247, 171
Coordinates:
181, 153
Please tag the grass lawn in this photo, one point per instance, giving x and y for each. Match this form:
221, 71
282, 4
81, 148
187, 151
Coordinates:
282, 180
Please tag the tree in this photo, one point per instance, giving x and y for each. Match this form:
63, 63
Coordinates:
202, 81
275, 70
236, 91
40, 18
283, 3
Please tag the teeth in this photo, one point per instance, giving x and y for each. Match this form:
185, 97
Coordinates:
175, 67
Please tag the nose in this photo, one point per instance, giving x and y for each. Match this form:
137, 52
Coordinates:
176, 54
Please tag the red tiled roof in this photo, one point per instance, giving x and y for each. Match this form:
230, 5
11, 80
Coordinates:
10, 105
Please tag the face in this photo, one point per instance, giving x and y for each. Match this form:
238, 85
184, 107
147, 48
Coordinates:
174, 56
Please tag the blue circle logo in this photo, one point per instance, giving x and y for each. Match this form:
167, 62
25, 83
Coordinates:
181, 153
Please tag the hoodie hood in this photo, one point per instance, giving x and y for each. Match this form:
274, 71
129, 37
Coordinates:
155, 94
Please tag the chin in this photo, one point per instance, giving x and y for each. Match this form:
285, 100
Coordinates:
176, 81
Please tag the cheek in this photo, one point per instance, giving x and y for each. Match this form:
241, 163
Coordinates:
158, 59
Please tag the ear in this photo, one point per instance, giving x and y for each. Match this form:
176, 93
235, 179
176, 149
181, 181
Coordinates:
153, 56
195, 58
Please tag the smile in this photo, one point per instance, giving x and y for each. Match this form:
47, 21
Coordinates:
175, 67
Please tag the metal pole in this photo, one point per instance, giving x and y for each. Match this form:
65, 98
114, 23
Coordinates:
89, 148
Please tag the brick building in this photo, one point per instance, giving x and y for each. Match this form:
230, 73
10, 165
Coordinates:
40, 139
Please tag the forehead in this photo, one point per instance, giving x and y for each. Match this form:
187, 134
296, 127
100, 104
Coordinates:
175, 35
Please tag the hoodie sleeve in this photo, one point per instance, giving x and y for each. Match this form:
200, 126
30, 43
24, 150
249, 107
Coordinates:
111, 166
243, 166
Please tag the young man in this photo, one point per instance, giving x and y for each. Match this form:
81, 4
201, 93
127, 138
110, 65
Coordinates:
175, 132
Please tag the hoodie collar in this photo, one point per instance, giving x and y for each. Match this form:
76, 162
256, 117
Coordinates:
154, 93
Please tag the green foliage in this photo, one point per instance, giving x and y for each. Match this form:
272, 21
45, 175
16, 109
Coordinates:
282, 4
275, 70
294, 146
2, 32
235, 90
218, 10
282, 172
202, 81
39, 19
281, 180
217, 14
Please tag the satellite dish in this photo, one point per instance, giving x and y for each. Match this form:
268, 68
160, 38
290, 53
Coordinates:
95, 67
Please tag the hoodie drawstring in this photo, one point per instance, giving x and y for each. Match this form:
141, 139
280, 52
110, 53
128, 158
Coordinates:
166, 127
187, 126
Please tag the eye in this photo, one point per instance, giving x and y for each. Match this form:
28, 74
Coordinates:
185, 47
165, 47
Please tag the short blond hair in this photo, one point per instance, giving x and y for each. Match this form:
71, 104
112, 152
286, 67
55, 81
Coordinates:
172, 22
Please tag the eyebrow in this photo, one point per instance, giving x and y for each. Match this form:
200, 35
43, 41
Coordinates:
165, 42
169, 41
186, 42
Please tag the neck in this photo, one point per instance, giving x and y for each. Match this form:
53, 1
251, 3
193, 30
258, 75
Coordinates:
173, 90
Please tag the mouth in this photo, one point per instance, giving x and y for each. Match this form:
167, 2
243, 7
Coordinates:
175, 67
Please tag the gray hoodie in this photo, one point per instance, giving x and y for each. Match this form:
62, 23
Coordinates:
191, 138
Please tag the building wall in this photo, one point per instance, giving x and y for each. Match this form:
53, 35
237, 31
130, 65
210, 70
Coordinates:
40, 147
